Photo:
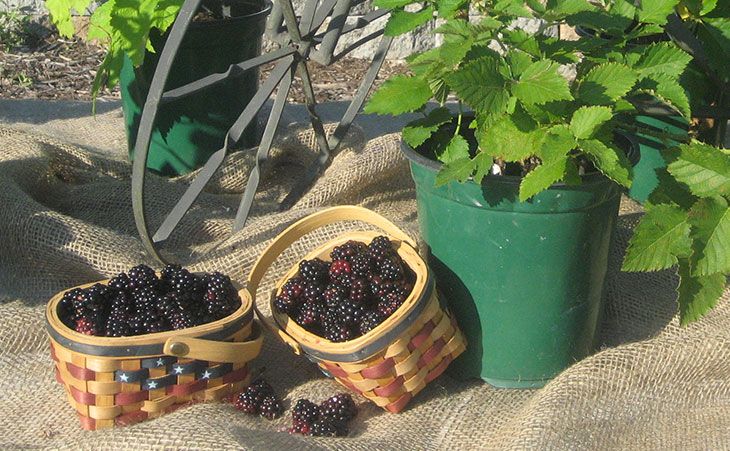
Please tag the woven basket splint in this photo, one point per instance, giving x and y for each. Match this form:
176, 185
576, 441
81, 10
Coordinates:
391, 363
116, 381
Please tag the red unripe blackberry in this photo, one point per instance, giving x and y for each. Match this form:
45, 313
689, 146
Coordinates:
339, 408
294, 287
301, 427
313, 270
348, 250
247, 402
340, 270
270, 407
86, 326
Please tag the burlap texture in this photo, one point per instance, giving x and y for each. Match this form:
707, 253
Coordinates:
66, 219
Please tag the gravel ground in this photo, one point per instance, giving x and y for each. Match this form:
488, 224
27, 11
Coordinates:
54, 68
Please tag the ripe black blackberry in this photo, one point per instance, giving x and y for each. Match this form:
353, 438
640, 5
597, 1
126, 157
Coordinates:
270, 407
169, 272
220, 297
362, 265
185, 282
350, 313
348, 250
310, 314
391, 268
70, 302
337, 331
120, 282
328, 428
116, 324
339, 408
182, 319
285, 304
247, 401
370, 321
379, 247
305, 411
142, 276
360, 291
313, 292
335, 294
314, 270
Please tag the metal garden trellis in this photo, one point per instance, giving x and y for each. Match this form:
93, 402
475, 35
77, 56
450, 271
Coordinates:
311, 37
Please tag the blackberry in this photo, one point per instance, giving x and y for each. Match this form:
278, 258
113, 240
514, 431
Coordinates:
86, 326
391, 268
313, 270
328, 428
169, 272
348, 251
305, 411
362, 265
120, 282
182, 319
293, 288
390, 304
142, 276
301, 427
285, 304
70, 301
359, 291
380, 247
340, 270
310, 314
262, 387
270, 407
247, 402
121, 301
350, 313
220, 296
334, 295
337, 331
183, 281
313, 292
339, 408
116, 324
370, 321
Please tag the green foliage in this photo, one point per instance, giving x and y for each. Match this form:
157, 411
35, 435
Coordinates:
124, 26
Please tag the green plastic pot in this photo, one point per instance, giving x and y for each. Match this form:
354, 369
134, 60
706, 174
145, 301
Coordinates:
523, 279
189, 130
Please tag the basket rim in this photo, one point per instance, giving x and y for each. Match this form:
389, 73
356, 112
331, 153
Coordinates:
373, 341
139, 345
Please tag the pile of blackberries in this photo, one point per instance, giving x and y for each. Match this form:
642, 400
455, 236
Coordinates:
349, 296
138, 302
329, 419
259, 398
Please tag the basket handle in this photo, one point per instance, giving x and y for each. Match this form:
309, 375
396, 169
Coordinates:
298, 230
215, 351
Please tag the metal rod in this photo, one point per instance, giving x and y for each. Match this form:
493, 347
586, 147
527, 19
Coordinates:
141, 147
214, 162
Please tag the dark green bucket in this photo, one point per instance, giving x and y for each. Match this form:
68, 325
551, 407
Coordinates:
189, 130
523, 279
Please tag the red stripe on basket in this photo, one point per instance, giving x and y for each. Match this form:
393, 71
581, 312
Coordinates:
83, 397
131, 418
87, 424
379, 370
187, 389
235, 376
336, 371
400, 404
391, 388
422, 336
79, 373
131, 397
432, 353
436, 372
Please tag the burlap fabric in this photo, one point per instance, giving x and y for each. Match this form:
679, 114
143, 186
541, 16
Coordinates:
66, 218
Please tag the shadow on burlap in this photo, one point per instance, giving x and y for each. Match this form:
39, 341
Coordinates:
66, 219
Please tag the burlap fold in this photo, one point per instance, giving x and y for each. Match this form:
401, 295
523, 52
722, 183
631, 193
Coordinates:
66, 219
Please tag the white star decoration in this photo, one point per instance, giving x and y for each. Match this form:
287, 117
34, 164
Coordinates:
206, 375
160, 362
123, 377
178, 370
151, 385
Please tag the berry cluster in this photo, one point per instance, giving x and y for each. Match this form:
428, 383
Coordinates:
349, 296
328, 419
138, 302
259, 398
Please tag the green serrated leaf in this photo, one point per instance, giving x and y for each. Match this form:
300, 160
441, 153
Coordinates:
401, 22
459, 170
483, 165
663, 58
481, 85
554, 156
704, 169
61, 14
100, 22
605, 83
587, 119
558, 9
418, 131
660, 238
457, 149
447, 8
540, 83
392, 4
656, 11
398, 95
511, 138
697, 294
710, 220
518, 62
610, 161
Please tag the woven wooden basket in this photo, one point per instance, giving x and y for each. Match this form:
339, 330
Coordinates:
392, 362
115, 381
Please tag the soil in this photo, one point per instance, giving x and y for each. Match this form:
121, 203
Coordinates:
53, 68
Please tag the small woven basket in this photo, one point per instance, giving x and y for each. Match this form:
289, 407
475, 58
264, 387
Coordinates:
392, 362
116, 381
